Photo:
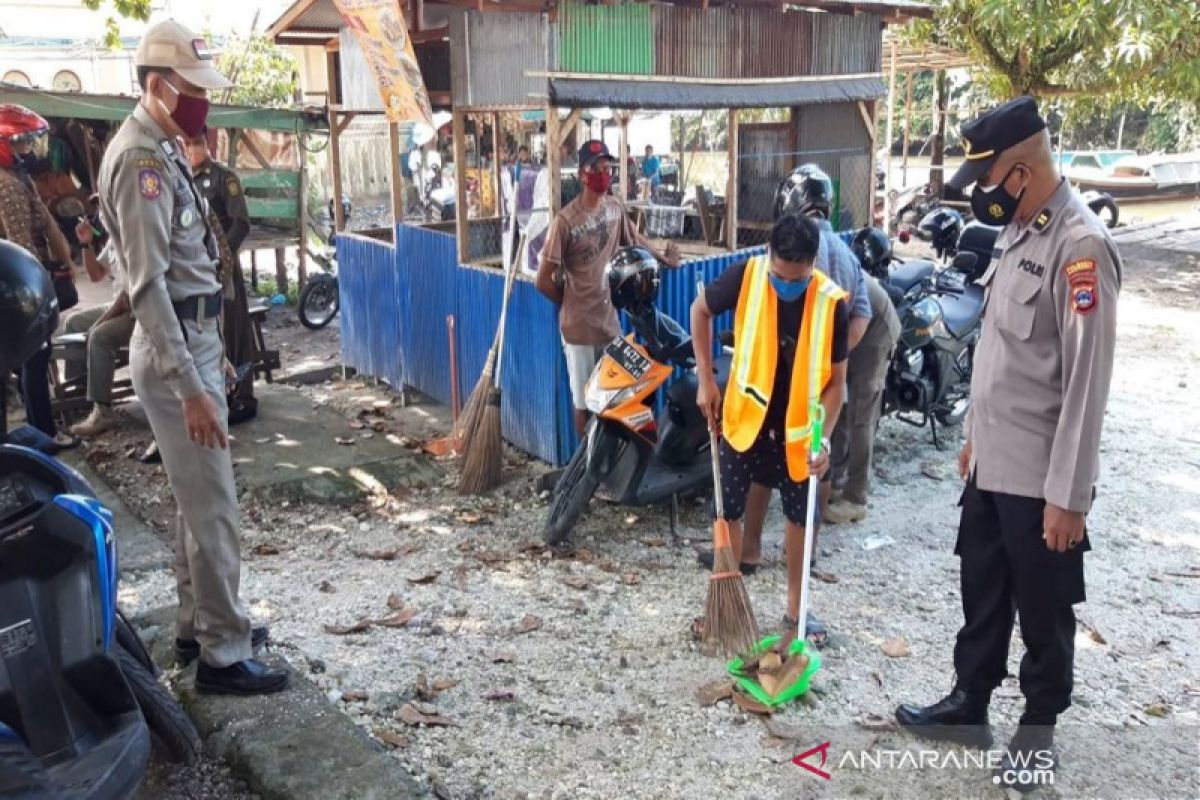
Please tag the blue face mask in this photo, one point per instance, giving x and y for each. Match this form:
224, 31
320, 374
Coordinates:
789, 290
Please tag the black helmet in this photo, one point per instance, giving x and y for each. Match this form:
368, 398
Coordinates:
28, 307
874, 250
632, 278
808, 190
941, 228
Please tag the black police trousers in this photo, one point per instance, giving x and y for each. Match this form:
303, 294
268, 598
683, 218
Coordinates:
1007, 572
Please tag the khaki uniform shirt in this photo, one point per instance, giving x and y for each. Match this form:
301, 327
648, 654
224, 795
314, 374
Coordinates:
157, 224
1044, 360
220, 186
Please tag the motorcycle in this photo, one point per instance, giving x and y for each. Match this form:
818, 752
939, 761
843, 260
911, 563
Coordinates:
1103, 205
940, 308
79, 696
638, 459
320, 298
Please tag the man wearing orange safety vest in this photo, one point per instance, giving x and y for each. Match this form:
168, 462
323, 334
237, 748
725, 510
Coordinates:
791, 329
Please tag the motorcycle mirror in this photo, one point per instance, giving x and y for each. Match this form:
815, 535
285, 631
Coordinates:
965, 262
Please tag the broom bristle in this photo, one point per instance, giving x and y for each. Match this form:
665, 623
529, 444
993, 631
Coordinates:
484, 456
728, 619
472, 413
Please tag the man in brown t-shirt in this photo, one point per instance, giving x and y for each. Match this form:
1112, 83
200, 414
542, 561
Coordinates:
583, 237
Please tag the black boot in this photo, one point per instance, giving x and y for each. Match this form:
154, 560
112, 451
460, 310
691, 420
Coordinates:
958, 717
188, 650
1029, 761
243, 678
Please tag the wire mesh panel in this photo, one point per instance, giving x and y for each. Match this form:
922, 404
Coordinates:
760, 173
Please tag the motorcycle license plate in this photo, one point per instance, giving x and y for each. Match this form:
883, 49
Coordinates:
628, 358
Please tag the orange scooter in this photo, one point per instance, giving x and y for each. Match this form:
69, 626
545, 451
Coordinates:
638, 458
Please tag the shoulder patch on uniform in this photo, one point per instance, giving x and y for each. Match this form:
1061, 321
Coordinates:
233, 186
1083, 269
1084, 298
1084, 288
1043, 219
150, 183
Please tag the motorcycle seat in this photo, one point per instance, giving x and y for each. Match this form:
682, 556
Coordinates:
961, 312
905, 274
683, 391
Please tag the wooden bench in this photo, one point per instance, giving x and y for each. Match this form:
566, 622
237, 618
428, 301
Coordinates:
273, 198
265, 360
68, 396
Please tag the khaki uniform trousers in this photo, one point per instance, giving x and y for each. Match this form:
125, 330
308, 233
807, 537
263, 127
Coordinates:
853, 442
208, 559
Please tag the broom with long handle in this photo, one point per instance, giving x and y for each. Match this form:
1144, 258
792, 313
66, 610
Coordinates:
816, 413
729, 622
484, 449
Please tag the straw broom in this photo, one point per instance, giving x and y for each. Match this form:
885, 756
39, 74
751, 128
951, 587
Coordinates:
729, 622
483, 448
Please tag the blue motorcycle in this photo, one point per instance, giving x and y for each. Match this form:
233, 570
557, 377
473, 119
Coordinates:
80, 703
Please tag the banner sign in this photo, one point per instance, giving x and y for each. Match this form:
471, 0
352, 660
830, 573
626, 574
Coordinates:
382, 33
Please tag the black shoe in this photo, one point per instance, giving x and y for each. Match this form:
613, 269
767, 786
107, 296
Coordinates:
243, 678
955, 718
1029, 761
188, 650
706, 559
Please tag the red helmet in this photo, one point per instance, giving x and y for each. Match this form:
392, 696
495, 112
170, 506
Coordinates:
17, 123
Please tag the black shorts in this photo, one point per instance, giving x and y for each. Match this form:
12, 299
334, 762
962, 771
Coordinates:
764, 463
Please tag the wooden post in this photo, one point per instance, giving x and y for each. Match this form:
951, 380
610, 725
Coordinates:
461, 228
302, 220
396, 179
937, 177
907, 124
553, 162
731, 187
887, 142
497, 170
254, 270
281, 276
335, 170
623, 152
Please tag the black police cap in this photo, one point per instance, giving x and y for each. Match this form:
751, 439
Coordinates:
994, 132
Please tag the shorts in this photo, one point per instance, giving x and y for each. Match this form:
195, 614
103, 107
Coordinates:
764, 463
581, 360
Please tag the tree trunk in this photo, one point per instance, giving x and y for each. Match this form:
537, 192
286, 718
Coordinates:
937, 178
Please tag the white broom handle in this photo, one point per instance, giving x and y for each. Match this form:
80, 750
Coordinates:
714, 448
508, 281
810, 519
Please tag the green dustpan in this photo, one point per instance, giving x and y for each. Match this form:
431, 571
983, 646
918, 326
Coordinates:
797, 688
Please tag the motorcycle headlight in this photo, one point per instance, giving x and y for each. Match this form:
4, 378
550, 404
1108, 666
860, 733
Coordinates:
600, 400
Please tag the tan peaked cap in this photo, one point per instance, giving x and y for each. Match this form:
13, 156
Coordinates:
168, 44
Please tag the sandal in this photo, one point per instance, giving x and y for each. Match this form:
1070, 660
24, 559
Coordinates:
814, 630
65, 441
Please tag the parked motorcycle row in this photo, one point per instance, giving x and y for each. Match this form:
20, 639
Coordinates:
635, 457
913, 203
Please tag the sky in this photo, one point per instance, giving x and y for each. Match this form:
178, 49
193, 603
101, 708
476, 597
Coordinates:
69, 19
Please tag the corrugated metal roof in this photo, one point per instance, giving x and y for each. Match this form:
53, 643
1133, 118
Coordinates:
603, 38
588, 92
844, 45
491, 54
731, 43
308, 16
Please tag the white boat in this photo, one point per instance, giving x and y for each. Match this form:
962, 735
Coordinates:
1144, 178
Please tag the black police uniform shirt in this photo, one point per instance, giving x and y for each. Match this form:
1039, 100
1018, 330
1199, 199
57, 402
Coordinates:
722, 295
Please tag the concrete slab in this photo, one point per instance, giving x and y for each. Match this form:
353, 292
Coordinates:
138, 548
288, 746
291, 449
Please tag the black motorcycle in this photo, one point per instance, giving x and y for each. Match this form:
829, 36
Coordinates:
79, 697
320, 298
940, 309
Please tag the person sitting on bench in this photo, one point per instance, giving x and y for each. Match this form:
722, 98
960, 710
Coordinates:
108, 328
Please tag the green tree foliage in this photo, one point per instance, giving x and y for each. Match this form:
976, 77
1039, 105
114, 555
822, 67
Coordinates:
133, 9
263, 74
1127, 49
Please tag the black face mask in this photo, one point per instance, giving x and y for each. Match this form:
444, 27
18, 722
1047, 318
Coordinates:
994, 205
29, 162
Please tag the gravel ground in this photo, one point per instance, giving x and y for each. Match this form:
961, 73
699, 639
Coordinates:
535, 676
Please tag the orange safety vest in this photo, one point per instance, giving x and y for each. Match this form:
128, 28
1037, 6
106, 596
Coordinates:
756, 352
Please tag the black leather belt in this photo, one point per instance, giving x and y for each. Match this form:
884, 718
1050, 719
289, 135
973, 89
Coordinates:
199, 307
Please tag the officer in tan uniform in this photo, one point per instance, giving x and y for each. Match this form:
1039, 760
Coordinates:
1031, 459
157, 222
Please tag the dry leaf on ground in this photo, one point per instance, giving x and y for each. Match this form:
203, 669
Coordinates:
654, 541
896, 647
1093, 633
265, 549
823, 576
421, 687
354, 697
343, 630
442, 684
528, 623
428, 577
576, 582
502, 695
503, 657
469, 517
397, 620
749, 704
631, 579
391, 738
409, 714
395, 601
711, 693
874, 722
